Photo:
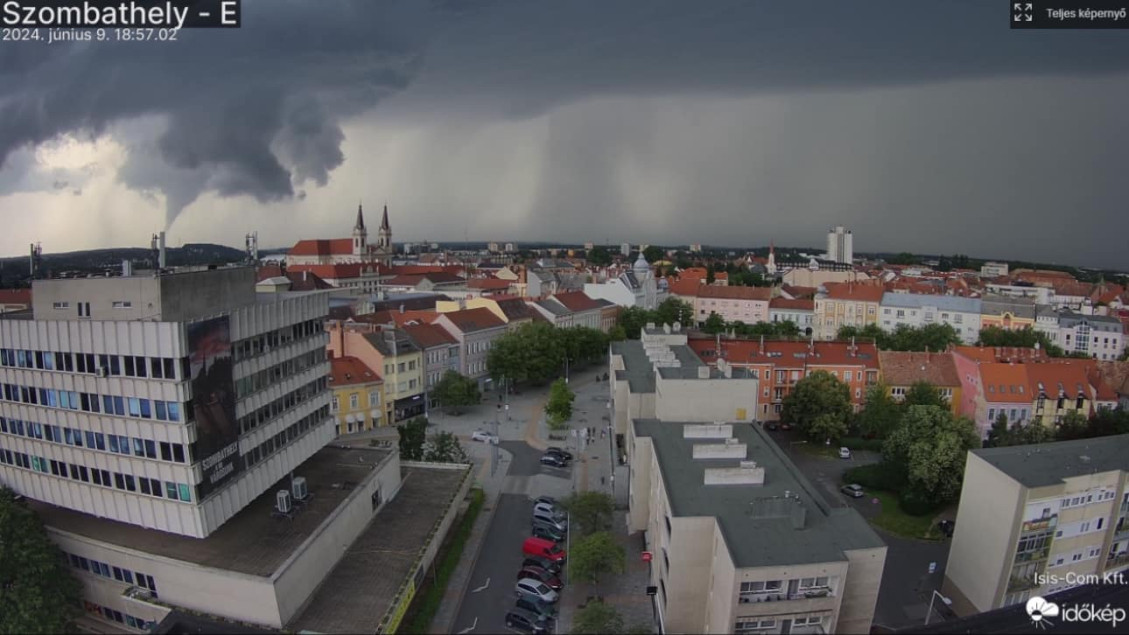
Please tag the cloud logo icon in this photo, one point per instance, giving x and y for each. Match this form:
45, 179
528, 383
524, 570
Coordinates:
1039, 610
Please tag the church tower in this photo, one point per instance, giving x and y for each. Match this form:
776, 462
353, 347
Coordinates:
385, 238
360, 234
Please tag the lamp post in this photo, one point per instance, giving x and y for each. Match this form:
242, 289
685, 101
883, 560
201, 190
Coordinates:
936, 594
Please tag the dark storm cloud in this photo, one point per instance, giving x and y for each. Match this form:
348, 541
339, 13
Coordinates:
236, 103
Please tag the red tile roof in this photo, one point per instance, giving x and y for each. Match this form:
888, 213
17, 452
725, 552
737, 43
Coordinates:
795, 305
489, 284
1054, 376
854, 291
267, 271
429, 335
688, 288
793, 354
339, 272
15, 296
347, 371
799, 292
576, 301
762, 294
468, 320
306, 281
322, 247
906, 368
1006, 383
1001, 353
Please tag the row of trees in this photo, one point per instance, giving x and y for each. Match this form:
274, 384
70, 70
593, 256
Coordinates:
776, 330
537, 352
1074, 425
633, 319
558, 409
933, 337
442, 447
456, 392
1025, 337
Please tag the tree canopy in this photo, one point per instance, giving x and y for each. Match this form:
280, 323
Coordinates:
413, 436
444, 447
1025, 337
455, 392
669, 311
589, 512
598, 256
932, 337
559, 407
597, 618
595, 555
881, 415
929, 449
714, 324
536, 352
654, 253
923, 393
822, 397
37, 590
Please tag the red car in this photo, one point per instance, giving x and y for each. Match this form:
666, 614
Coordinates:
541, 575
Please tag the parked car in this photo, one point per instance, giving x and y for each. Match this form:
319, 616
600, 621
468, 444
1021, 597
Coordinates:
854, 490
522, 620
772, 426
544, 563
561, 452
536, 589
548, 532
844, 453
554, 521
548, 509
785, 426
554, 460
537, 573
537, 607
484, 436
947, 527
543, 549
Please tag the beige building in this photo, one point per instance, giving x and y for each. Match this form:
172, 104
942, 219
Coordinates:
741, 542
1036, 519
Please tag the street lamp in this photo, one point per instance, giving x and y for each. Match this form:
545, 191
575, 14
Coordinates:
936, 595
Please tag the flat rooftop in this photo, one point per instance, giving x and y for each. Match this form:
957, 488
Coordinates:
1050, 463
355, 596
251, 542
638, 372
755, 541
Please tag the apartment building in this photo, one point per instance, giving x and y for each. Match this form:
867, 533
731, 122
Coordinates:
1096, 336
1033, 520
510, 309
901, 370
845, 304
585, 311
393, 355
915, 310
358, 395
1057, 388
1008, 313
1007, 391
440, 352
800, 312
779, 365
475, 330
742, 542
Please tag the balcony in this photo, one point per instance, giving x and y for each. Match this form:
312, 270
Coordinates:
1117, 560
774, 603
1015, 583
1033, 556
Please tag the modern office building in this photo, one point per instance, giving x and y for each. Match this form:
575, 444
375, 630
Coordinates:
170, 430
741, 541
840, 245
1035, 519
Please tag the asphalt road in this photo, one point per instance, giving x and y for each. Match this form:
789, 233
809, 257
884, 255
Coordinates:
490, 592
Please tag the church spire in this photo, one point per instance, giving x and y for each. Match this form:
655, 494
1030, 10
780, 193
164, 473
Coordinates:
360, 218
384, 226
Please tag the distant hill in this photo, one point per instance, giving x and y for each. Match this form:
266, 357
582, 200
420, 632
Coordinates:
14, 271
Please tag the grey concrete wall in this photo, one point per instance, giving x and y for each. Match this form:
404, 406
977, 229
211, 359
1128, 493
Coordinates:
860, 591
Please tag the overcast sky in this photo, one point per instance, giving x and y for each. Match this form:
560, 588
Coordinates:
927, 127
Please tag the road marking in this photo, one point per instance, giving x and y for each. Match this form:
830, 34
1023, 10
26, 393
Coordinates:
482, 588
467, 630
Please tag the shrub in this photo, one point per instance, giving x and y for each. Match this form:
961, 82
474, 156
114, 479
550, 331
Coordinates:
916, 504
875, 476
859, 443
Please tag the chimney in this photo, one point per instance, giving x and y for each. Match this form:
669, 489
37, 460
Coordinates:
854, 349
305, 275
127, 268
161, 252
401, 309
762, 344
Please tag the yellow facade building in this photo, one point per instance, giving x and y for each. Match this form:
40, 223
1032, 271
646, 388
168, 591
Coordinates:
358, 395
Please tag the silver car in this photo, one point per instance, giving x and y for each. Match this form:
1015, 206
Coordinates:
536, 589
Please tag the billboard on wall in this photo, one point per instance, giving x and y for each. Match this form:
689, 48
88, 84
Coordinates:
213, 397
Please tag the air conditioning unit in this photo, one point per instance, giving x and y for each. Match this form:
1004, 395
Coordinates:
103, 372
282, 501
299, 488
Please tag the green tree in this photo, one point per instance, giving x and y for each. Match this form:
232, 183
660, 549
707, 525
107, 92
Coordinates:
413, 436
999, 435
589, 512
817, 394
1031, 433
714, 324
1025, 337
673, 310
444, 447
632, 320
787, 328
654, 253
534, 353
37, 590
558, 409
923, 393
599, 257
903, 258
871, 332
711, 276
928, 451
594, 555
617, 334
827, 426
1106, 422
597, 618
881, 415
931, 337
455, 392
1074, 425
